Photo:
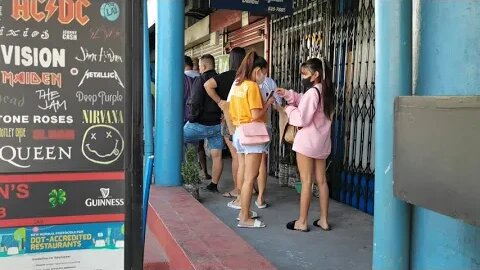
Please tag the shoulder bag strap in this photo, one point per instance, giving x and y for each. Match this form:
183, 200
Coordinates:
319, 94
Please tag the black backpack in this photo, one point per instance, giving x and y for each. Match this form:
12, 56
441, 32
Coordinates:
196, 99
187, 95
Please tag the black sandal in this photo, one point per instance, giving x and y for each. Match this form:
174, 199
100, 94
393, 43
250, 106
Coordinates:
315, 223
211, 187
291, 226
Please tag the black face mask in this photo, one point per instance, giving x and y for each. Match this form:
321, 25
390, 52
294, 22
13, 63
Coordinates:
307, 83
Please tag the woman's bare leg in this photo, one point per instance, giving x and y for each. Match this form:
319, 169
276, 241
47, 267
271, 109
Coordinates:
252, 164
305, 167
240, 176
262, 180
233, 153
320, 175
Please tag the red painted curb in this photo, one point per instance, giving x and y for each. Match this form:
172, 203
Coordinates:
154, 257
194, 238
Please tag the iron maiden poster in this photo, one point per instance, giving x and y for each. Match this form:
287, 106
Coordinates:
63, 83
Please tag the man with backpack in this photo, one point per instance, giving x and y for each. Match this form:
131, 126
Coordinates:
189, 78
204, 119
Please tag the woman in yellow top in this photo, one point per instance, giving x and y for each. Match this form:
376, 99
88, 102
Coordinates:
246, 106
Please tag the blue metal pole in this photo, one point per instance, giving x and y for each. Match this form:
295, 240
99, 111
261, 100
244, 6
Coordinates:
147, 95
147, 119
393, 49
146, 193
449, 57
169, 92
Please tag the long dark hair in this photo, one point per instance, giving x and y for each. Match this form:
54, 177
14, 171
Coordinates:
236, 57
249, 63
328, 93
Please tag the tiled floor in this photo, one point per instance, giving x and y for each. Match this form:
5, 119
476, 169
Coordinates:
347, 246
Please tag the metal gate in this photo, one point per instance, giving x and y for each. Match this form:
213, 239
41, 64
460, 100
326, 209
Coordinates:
342, 32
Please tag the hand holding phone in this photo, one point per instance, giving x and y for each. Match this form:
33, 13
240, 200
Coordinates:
270, 94
270, 99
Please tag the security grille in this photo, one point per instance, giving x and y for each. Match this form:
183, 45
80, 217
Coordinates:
343, 32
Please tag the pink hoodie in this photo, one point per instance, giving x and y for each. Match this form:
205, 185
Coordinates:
305, 111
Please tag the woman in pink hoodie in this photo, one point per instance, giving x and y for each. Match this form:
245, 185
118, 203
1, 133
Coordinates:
312, 113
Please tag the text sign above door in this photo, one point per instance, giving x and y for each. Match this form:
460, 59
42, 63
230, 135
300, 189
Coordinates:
283, 7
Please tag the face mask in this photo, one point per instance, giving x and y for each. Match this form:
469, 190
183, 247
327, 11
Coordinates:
307, 83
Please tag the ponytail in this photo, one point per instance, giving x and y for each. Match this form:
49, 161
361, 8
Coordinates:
328, 93
251, 61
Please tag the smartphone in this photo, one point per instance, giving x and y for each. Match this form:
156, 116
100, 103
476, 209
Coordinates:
270, 94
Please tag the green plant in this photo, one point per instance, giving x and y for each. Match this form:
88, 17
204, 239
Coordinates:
57, 197
190, 167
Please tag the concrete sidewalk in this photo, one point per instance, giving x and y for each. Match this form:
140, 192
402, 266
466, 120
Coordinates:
347, 246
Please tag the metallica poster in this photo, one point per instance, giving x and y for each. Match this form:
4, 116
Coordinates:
63, 85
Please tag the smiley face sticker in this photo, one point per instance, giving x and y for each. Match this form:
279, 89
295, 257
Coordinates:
102, 144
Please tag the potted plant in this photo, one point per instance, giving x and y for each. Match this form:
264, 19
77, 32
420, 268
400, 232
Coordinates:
191, 172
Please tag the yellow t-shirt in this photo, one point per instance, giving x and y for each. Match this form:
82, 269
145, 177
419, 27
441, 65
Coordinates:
244, 98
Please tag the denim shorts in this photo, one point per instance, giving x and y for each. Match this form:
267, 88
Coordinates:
250, 149
195, 132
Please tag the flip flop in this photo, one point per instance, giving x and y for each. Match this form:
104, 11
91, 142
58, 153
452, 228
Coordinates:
228, 195
234, 206
291, 226
315, 223
263, 206
253, 215
256, 224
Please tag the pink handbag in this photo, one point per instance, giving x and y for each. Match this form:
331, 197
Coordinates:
253, 133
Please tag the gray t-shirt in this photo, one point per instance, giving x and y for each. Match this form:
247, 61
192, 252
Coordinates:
266, 87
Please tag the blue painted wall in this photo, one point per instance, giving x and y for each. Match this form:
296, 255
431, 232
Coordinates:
448, 64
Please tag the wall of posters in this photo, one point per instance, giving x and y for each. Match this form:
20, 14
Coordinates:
63, 86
